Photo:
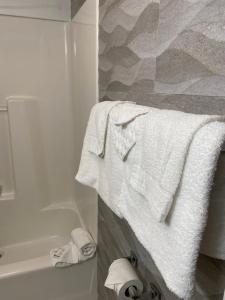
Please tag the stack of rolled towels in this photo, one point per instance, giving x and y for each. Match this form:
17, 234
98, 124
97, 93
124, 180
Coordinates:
80, 248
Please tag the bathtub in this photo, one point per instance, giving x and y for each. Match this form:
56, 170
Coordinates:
26, 272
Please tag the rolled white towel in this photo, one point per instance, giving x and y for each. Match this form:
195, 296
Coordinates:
84, 242
64, 256
80, 248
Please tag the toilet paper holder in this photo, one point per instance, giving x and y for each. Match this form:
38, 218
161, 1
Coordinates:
133, 259
153, 291
132, 293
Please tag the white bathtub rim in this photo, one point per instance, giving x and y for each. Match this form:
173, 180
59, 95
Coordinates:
31, 265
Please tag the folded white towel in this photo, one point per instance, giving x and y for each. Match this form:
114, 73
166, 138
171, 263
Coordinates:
174, 245
103, 174
98, 125
64, 256
124, 138
84, 242
166, 140
125, 114
81, 248
123, 131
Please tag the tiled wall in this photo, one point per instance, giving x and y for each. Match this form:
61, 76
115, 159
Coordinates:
167, 54
171, 47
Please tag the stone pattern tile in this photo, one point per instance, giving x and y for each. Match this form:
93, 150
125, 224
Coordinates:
170, 47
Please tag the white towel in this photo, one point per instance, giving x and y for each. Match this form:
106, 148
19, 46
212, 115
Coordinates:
98, 125
83, 240
125, 114
123, 131
174, 245
166, 140
81, 248
102, 174
64, 256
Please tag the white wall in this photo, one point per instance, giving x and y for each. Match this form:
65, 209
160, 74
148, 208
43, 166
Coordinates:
41, 9
35, 70
84, 33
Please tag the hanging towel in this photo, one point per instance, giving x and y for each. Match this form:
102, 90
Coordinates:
173, 244
124, 138
123, 131
166, 140
80, 248
125, 114
102, 174
98, 125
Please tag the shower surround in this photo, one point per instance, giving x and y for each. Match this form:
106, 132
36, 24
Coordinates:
48, 84
167, 54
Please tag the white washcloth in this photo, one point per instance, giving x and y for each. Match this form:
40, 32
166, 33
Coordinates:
98, 125
81, 248
123, 131
166, 140
84, 242
174, 245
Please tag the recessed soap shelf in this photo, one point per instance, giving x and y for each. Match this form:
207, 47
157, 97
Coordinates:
3, 108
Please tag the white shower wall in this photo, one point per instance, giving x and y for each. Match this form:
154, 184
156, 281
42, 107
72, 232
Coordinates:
41, 133
42, 9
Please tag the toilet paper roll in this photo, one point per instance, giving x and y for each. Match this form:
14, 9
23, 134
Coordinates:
121, 276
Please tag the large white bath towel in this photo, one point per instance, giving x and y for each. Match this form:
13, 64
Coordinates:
166, 139
173, 244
